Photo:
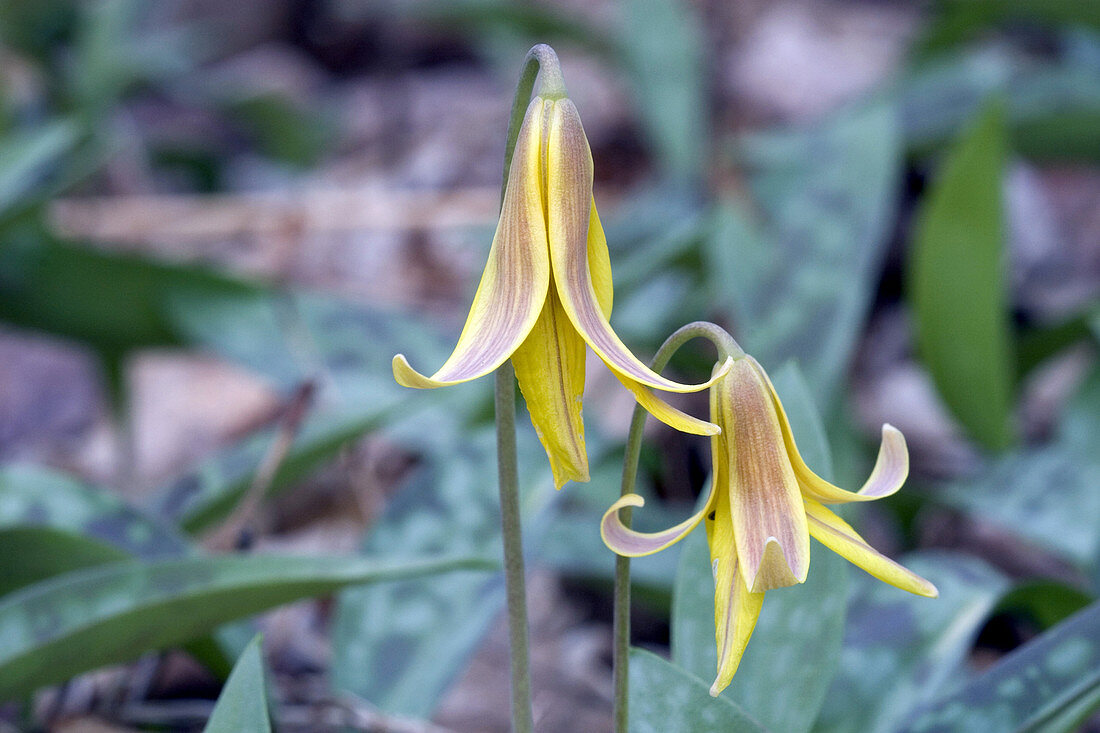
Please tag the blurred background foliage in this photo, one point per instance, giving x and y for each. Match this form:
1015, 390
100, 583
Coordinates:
219, 222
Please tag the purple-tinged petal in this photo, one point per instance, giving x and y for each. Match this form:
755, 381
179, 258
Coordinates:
569, 196
514, 285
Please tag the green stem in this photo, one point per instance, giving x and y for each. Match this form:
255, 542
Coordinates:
726, 347
541, 59
514, 583
541, 63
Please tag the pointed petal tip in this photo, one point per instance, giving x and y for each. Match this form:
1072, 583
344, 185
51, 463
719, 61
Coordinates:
406, 376
775, 569
715, 690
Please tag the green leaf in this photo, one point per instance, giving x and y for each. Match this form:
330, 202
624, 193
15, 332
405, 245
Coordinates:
797, 640
958, 21
37, 553
803, 272
28, 158
82, 620
667, 699
662, 47
900, 650
281, 129
242, 706
113, 303
957, 286
416, 635
1044, 603
1050, 684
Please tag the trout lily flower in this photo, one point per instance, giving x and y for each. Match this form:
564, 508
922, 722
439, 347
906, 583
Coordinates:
764, 505
546, 292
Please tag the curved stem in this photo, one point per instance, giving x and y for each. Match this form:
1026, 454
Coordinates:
726, 347
514, 582
541, 59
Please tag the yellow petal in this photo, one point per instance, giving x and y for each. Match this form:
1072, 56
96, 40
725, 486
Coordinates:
549, 366
665, 412
736, 609
890, 471
599, 263
836, 534
769, 521
516, 279
569, 196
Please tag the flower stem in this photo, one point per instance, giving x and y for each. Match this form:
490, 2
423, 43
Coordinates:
540, 59
726, 347
541, 62
522, 718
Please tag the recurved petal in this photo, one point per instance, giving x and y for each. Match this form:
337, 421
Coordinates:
890, 471
516, 279
665, 412
569, 197
735, 608
549, 366
769, 521
836, 534
630, 543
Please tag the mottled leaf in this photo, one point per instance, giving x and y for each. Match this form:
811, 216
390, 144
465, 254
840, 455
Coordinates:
88, 618
1050, 684
414, 636
242, 705
901, 650
797, 639
1014, 491
1052, 103
957, 287
797, 282
665, 698
40, 497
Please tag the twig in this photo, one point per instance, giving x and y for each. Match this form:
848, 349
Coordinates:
226, 537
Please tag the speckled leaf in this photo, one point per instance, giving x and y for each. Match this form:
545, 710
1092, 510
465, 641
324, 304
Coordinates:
1050, 684
797, 639
36, 496
88, 618
957, 288
36, 553
899, 649
802, 275
1014, 490
242, 705
665, 698
401, 645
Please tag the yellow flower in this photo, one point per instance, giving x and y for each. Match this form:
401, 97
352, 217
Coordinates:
764, 505
546, 292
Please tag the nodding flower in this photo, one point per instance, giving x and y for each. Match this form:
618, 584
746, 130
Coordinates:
764, 505
546, 292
